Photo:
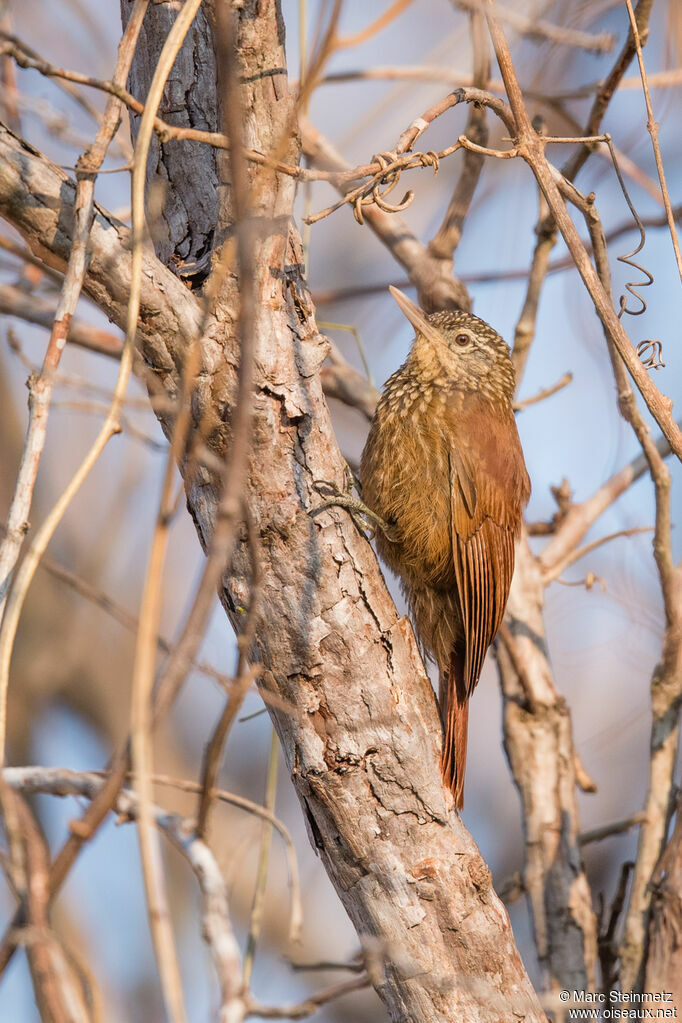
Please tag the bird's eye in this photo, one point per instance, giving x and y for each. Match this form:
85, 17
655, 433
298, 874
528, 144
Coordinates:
462, 340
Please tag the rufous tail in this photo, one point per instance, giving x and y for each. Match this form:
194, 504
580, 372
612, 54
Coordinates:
455, 708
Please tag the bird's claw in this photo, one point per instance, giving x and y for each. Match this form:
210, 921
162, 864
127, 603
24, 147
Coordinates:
365, 519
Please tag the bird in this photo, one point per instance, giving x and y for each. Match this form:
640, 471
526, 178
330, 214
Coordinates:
443, 470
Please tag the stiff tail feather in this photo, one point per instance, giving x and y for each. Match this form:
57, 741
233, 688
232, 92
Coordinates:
454, 700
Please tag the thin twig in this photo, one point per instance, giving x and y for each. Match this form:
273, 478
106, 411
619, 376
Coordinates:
378, 25
245, 675
109, 428
342, 381
607, 830
436, 286
296, 914
537, 27
546, 227
652, 128
216, 928
58, 995
447, 238
606, 90
22, 253
559, 567
450, 76
310, 1006
326, 296
546, 392
577, 519
531, 147
33, 309
258, 903
143, 669
666, 682
27, 58
41, 387
122, 616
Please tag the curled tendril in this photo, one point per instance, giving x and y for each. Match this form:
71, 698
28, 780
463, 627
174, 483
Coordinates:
653, 359
430, 159
388, 178
649, 352
632, 286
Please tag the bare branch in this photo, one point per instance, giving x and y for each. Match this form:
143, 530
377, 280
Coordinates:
607, 89
652, 128
617, 828
559, 567
577, 519
342, 381
378, 25
444, 243
57, 993
546, 392
216, 929
666, 683
33, 309
539, 746
41, 387
257, 906
436, 287
531, 146
323, 296
537, 27
311, 1005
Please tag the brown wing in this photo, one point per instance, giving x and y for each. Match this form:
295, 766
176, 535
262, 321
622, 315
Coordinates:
488, 488
484, 564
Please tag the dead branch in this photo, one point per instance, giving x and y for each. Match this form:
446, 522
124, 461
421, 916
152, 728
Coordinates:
436, 287
216, 927
531, 147
329, 295
446, 240
577, 519
57, 993
617, 828
546, 392
311, 1005
666, 683
539, 28
652, 128
33, 309
41, 387
607, 89
538, 742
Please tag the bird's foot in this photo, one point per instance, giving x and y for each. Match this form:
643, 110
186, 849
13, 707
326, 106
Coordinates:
365, 519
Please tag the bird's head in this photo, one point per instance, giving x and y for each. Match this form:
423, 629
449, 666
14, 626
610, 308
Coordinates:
465, 348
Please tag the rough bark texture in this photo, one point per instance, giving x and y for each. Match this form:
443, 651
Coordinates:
363, 746
182, 177
664, 964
